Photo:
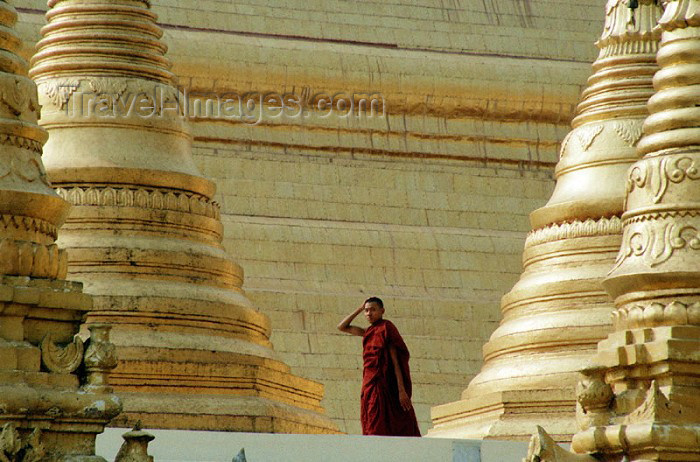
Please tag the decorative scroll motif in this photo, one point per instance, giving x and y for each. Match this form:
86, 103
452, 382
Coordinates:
59, 91
659, 173
24, 258
14, 449
100, 357
62, 360
629, 130
655, 314
143, 198
657, 245
543, 448
589, 228
14, 222
19, 95
656, 408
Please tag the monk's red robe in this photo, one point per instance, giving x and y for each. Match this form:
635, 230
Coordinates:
381, 412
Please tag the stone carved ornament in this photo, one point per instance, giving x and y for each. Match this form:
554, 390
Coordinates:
629, 131
135, 447
100, 357
142, 198
16, 94
655, 313
557, 231
60, 91
62, 360
543, 448
13, 448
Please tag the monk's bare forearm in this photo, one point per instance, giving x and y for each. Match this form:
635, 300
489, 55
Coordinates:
345, 326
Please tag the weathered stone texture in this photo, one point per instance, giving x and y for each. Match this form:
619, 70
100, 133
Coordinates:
426, 207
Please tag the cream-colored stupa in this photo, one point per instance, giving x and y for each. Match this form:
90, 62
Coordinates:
144, 235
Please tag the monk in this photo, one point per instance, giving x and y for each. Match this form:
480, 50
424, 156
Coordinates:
386, 407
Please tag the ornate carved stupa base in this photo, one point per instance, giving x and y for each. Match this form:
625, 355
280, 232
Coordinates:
45, 412
640, 398
145, 235
558, 311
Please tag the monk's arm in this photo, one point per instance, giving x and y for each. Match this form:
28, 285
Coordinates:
345, 326
403, 396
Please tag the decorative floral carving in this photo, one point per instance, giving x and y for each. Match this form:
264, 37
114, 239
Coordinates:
62, 360
603, 227
21, 142
623, 23
142, 198
107, 85
658, 173
25, 166
59, 91
629, 130
565, 144
657, 242
14, 449
655, 314
100, 358
587, 134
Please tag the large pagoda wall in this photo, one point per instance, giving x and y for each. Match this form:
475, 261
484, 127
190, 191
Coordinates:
426, 207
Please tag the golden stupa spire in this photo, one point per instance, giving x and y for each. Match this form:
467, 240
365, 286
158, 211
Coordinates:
558, 311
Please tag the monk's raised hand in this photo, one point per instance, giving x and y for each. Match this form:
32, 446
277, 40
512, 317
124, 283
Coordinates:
405, 401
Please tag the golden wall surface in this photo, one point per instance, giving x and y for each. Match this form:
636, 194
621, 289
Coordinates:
426, 206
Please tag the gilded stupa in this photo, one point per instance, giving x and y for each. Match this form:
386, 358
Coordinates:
556, 314
54, 395
638, 399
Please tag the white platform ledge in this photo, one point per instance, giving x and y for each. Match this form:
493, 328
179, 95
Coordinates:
200, 446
